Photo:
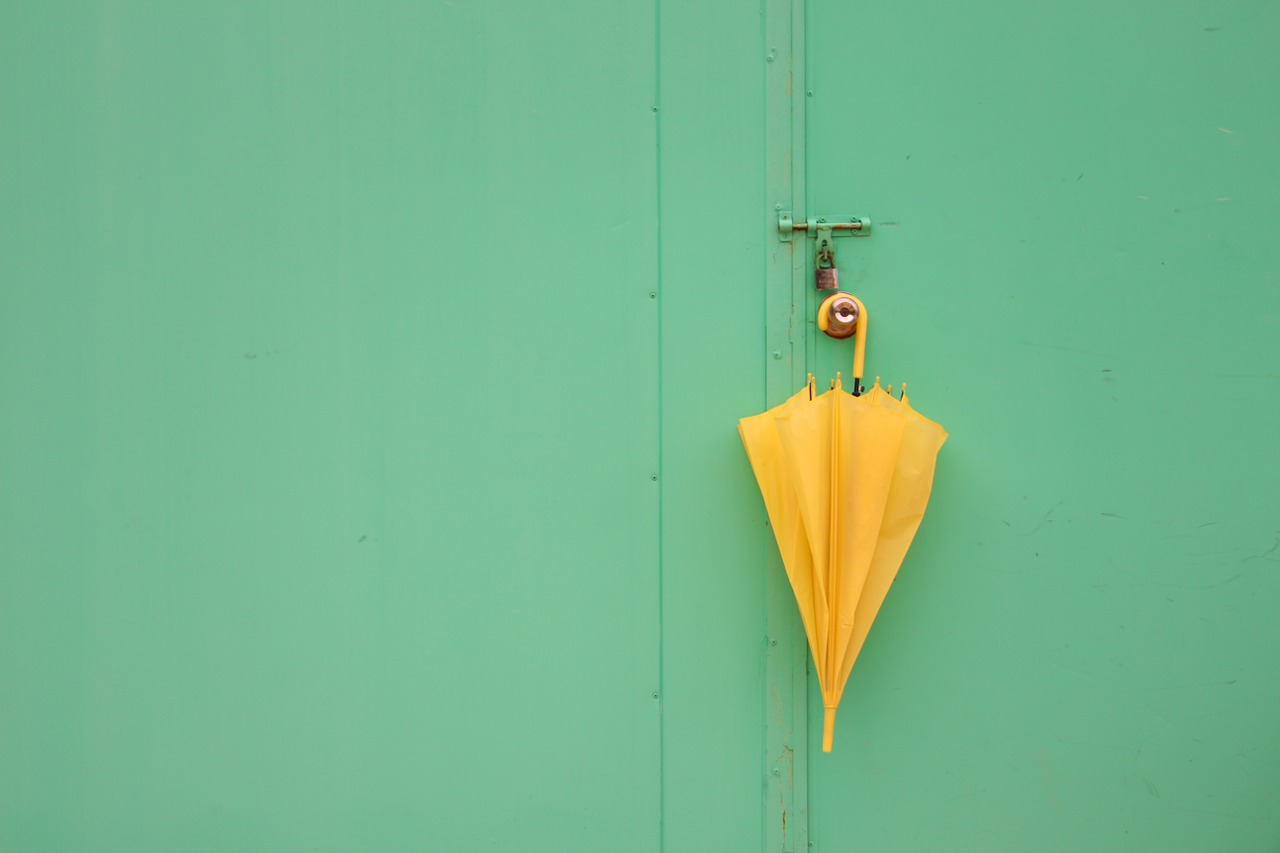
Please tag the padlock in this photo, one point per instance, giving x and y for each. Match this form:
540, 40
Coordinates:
826, 278
825, 274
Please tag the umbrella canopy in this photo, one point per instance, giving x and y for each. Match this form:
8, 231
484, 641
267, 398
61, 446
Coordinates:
845, 481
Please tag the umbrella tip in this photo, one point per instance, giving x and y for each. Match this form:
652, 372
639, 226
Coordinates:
903, 395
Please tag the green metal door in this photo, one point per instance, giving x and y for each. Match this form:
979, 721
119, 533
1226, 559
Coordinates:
1073, 266
369, 375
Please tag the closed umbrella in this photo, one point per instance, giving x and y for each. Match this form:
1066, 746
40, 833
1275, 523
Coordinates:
845, 480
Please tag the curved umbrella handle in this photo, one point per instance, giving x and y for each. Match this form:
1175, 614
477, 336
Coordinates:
844, 326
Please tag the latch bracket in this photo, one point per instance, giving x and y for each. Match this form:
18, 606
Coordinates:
836, 226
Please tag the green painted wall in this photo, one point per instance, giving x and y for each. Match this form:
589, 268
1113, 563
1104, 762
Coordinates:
368, 380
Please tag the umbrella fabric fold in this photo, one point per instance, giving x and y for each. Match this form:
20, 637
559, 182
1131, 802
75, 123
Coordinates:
764, 449
904, 510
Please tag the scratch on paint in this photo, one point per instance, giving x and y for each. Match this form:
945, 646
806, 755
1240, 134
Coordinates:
1265, 554
1045, 520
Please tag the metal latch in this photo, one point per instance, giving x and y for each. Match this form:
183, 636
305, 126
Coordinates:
840, 226
825, 229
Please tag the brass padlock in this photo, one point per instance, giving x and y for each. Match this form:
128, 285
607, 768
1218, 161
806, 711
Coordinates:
826, 278
825, 274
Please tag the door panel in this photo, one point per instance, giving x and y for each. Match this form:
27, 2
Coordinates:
330, 371
712, 157
1072, 267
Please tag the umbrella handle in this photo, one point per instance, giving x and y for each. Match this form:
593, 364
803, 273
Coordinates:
859, 332
859, 346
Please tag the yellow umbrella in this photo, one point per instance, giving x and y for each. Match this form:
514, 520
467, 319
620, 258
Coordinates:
845, 481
